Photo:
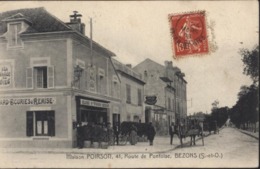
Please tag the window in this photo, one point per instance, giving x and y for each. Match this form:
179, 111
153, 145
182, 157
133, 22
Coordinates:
102, 87
128, 118
169, 104
115, 89
40, 123
40, 77
139, 93
128, 93
173, 105
91, 78
136, 118
14, 39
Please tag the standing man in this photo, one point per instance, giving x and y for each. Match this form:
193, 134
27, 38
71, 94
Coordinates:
171, 131
116, 132
80, 136
151, 133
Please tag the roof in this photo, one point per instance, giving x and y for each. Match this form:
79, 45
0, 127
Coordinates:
165, 79
41, 21
127, 70
149, 61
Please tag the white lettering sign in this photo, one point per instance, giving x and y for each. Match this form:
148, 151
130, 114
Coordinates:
27, 101
93, 103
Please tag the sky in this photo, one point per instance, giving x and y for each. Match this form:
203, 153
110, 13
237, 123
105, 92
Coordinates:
135, 31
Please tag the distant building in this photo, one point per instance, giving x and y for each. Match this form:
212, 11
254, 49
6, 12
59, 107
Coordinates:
167, 83
132, 91
50, 80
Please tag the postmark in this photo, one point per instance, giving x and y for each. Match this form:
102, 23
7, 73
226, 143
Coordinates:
189, 34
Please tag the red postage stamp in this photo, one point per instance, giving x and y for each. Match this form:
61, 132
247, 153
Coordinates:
189, 33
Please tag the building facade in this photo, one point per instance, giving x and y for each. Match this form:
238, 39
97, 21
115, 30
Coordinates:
167, 84
52, 77
132, 90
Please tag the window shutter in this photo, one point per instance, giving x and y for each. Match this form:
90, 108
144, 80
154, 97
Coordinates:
29, 77
51, 77
29, 123
51, 123
86, 76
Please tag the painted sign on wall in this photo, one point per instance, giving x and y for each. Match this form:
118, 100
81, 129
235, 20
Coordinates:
93, 103
5, 75
27, 101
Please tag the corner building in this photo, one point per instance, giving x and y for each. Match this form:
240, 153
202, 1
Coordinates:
50, 80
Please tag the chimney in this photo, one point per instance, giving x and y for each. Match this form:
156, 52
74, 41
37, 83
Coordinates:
75, 22
168, 63
129, 65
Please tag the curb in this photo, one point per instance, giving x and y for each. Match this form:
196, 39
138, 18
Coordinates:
246, 133
184, 144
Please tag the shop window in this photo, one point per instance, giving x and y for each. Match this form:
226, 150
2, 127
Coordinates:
14, 39
40, 123
40, 77
139, 94
128, 93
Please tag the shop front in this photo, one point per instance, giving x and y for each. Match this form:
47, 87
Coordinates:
92, 110
33, 120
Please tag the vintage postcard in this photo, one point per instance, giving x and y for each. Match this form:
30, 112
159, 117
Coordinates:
127, 84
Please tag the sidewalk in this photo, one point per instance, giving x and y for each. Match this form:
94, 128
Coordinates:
161, 144
249, 133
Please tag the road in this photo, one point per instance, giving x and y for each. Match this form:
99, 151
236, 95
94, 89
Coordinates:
229, 148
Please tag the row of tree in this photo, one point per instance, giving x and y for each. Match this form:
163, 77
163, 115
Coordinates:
246, 109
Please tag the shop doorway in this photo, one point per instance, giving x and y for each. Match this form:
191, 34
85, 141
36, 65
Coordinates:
148, 117
93, 115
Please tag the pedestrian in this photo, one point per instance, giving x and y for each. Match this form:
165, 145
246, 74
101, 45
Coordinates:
110, 133
80, 136
171, 131
133, 135
116, 132
151, 133
193, 132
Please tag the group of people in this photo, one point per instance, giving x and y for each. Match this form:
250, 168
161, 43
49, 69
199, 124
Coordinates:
106, 133
193, 129
133, 133
99, 132
103, 132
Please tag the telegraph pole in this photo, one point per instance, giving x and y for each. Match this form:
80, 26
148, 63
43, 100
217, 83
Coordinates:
91, 42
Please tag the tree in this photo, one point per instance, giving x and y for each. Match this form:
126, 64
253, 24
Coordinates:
215, 104
246, 108
251, 62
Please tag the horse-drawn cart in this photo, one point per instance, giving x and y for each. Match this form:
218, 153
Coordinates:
191, 130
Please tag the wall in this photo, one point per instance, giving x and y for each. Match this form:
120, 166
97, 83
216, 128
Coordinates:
83, 53
55, 49
132, 108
